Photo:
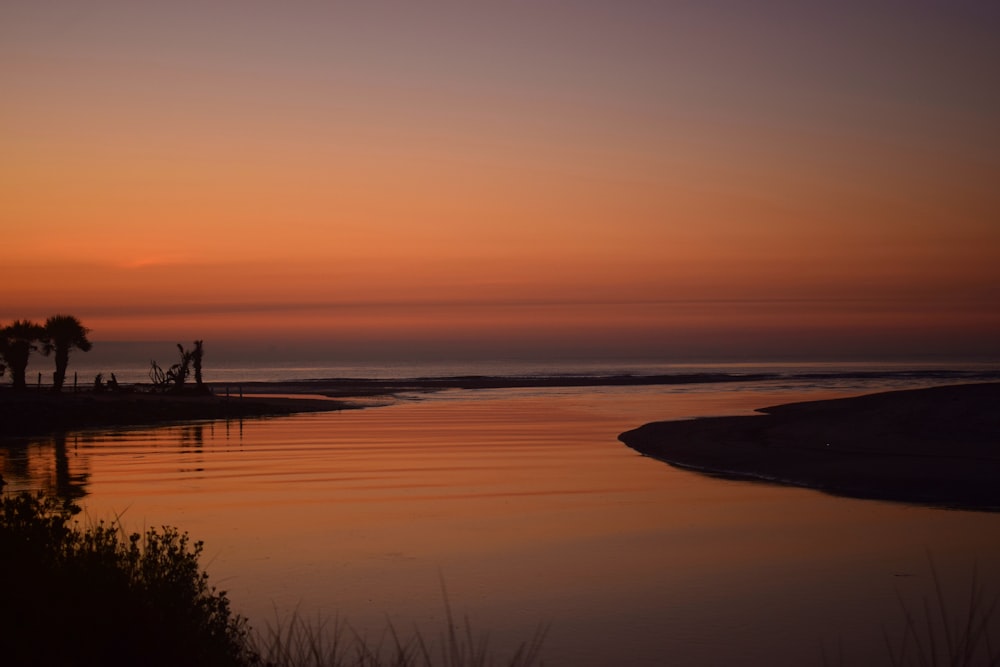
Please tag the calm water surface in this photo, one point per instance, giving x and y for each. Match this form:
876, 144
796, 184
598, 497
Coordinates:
529, 510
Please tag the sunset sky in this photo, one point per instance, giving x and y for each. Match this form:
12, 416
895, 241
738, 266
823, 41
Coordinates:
655, 179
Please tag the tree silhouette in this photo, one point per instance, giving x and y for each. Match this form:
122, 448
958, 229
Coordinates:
196, 357
62, 334
17, 341
178, 373
175, 378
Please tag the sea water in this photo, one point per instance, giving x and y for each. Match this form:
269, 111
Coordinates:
132, 364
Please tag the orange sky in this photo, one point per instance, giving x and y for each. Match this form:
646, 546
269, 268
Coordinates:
660, 178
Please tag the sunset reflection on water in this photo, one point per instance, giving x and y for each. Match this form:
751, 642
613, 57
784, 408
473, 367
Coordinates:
529, 510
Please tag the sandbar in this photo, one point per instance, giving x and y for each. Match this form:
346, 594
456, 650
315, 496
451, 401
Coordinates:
937, 446
41, 412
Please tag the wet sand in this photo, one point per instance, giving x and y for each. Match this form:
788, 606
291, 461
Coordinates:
937, 446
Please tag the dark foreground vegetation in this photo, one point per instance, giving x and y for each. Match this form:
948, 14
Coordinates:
941, 633
73, 594
96, 596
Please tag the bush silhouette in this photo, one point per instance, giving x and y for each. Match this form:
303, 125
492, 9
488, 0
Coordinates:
174, 379
72, 595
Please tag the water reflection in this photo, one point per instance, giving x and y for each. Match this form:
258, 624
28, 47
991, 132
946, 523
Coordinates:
532, 511
52, 465
60, 465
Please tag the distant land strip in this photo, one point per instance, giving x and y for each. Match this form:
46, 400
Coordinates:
345, 387
937, 446
348, 387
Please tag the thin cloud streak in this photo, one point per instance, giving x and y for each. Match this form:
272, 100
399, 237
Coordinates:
179, 309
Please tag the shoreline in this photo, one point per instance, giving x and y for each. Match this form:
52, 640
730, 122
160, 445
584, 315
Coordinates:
33, 413
36, 412
358, 387
935, 446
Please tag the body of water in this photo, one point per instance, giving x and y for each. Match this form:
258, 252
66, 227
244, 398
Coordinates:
132, 365
526, 507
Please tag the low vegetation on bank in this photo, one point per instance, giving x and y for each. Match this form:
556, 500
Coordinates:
73, 594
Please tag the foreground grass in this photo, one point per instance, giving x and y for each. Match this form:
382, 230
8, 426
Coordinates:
96, 595
940, 634
300, 643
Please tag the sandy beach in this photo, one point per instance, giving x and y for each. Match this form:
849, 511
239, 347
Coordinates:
937, 446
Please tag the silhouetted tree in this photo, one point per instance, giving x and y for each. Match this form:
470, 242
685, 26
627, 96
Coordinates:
196, 357
178, 373
176, 376
62, 334
17, 341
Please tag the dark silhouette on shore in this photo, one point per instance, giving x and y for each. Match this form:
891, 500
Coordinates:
62, 334
196, 356
934, 446
98, 595
17, 342
174, 379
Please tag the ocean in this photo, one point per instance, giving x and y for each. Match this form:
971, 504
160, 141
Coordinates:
131, 363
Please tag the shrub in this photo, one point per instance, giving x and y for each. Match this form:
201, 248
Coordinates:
94, 595
72, 595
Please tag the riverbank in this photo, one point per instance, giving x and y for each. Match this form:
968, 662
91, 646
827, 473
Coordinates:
937, 446
42, 412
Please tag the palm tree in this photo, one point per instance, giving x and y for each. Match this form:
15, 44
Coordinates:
17, 341
63, 333
196, 356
